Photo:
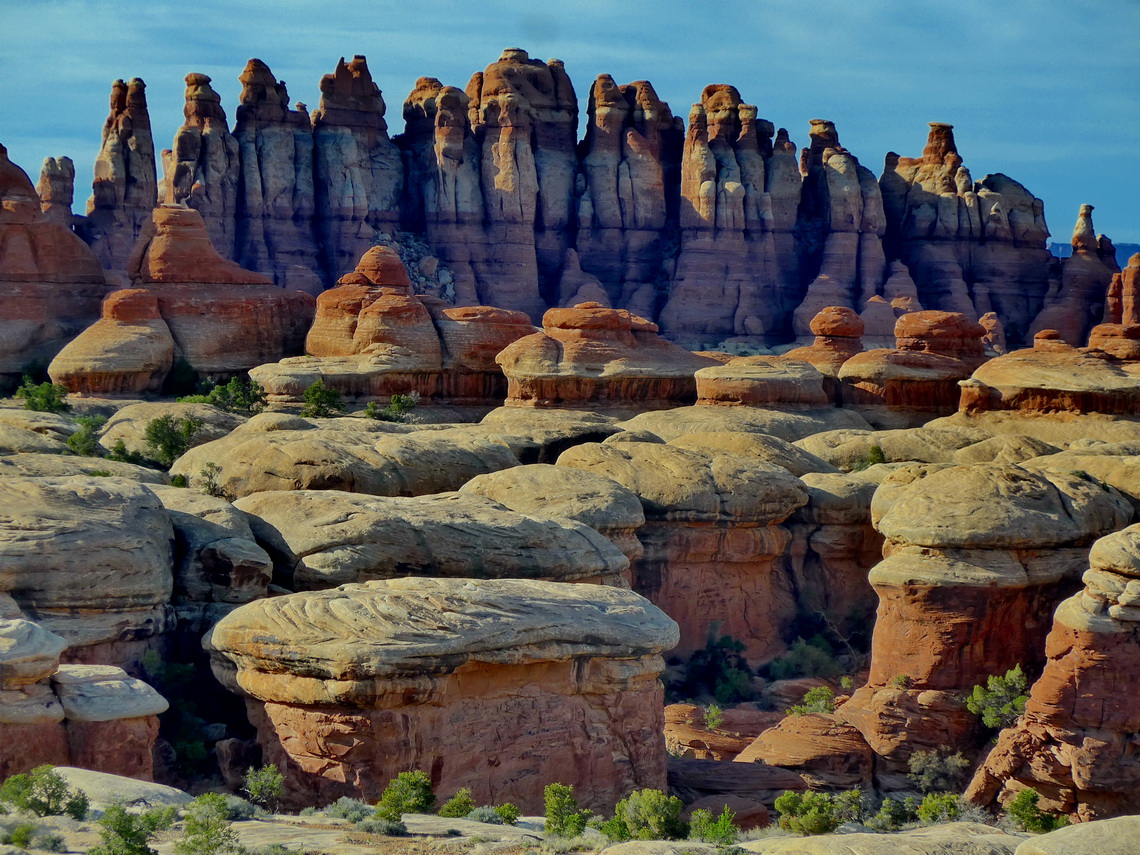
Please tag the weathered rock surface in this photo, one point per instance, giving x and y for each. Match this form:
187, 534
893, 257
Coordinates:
789, 426
60, 466
687, 733
324, 538
838, 333
591, 356
762, 447
762, 381
52, 282
224, 319
125, 188
975, 557
128, 351
822, 746
411, 673
1106, 835
1075, 743
955, 838
712, 538
129, 424
56, 189
594, 500
851, 449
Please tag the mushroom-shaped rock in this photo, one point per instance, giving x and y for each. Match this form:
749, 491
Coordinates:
712, 537
838, 333
976, 556
762, 381
88, 558
591, 356
350, 686
1074, 744
128, 351
325, 538
594, 500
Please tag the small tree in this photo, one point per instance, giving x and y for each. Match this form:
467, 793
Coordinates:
43, 397
714, 716
563, 816
245, 397
399, 408
939, 807
651, 815
821, 699
125, 833
721, 830
85, 440
807, 813
1001, 700
321, 401
168, 438
1025, 812
265, 787
410, 792
458, 805
508, 812
938, 771
44, 793
208, 829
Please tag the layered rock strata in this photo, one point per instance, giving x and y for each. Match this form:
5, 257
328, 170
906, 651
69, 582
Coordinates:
51, 280
590, 356
412, 673
56, 189
1076, 742
975, 557
712, 538
762, 381
838, 333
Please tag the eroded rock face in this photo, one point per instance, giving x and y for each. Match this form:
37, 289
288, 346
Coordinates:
838, 333
325, 538
762, 381
276, 201
975, 557
128, 351
51, 280
56, 189
224, 319
591, 356
950, 230
821, 745
1075, 742
125, 188
712, 538
425, 674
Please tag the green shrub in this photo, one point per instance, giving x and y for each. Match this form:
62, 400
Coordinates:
1025, 812
244, 397
44, 793
714, 717
240, 810
821, 699
484, 814
19, 835
351, 809
939, 807
901, 681
721, 830
458, 805
1001, 700
265, 787
717, 669
43, 397
399, 409
210, 483
124, 833
847, 684
410, 792
938, 771
808, 812
321, 401
563, 816
85, 441
207, 826
651, 815
49, 841
168, 438
388, 827
874, 455
508, 813
119, 452
814, 658
893, 815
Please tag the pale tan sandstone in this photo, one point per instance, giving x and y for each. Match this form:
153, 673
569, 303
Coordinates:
1118, 835
712, 538
1056, 428
588, 498
129, 423
61, 466
761, 447
955, 838
128, 351
789, 426
411, 673
848, 449
324, 538
762, 381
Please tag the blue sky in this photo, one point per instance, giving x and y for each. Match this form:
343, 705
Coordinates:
1046, 91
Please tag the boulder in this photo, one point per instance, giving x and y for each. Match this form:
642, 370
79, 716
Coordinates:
762, 381
789, 426
411, 673
764, 448
816, 744
687, 732
1107, 835
129, 424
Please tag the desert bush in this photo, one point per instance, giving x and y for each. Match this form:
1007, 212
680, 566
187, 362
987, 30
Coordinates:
720, 830
351, 809
49, 841
321, 401
207, 827
714, 717
938, 807
874, 455
484, 814
85, 440
168, 438
901, 681
1001, 700
410, 792
240, 810
44, 793
122, 454
508, 812
563, 816
808, 812
378, 825
717, 669
805, 658
821, 699
19, 835
124, 833
43, 397
398, 409
893, 815
1025, 812
458, 805
938, 771
647, 815
264, 787
244, 397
